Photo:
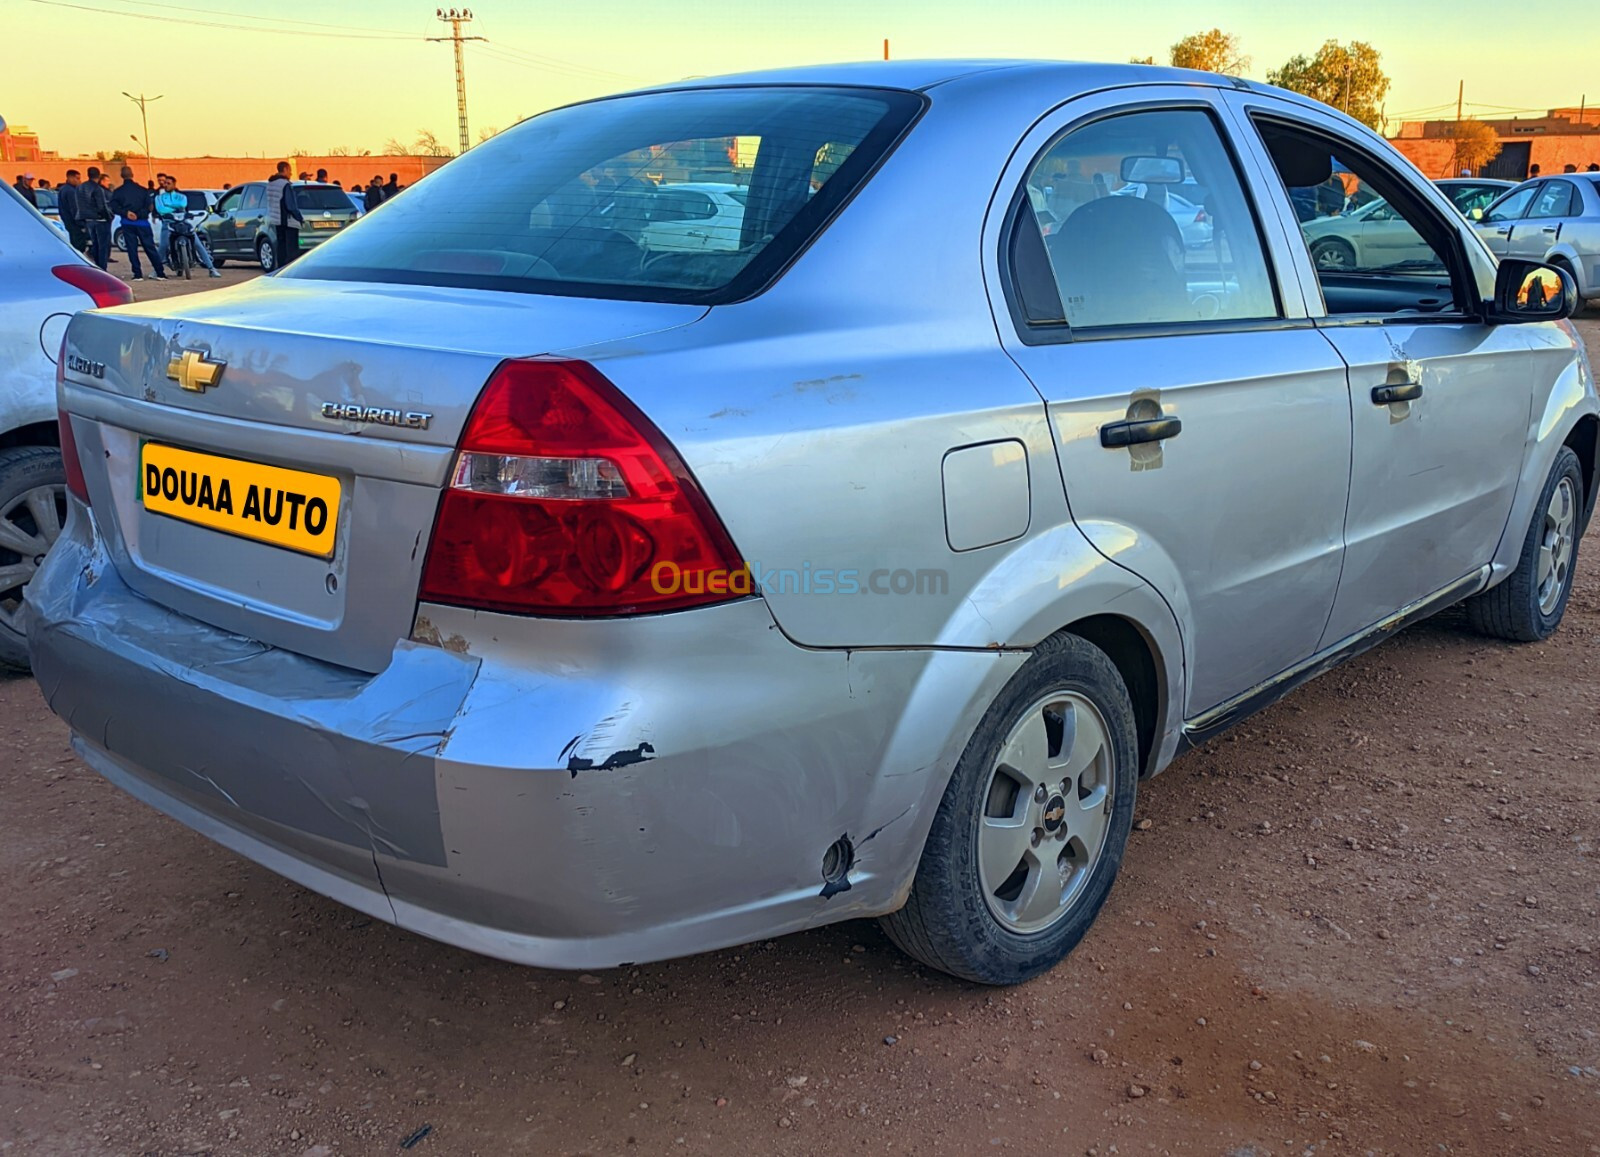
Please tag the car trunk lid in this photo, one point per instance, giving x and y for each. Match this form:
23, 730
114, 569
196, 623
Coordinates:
299, 390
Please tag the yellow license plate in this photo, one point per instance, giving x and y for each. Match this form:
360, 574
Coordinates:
326, 224
287, 508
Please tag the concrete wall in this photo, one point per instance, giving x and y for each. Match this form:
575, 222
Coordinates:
214, 172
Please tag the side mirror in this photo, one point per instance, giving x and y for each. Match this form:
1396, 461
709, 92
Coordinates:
1532, 291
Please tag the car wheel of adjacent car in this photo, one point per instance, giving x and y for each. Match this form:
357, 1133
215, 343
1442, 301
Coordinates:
266, 255
1331, 253
33, 508
1528, 606
1033, 824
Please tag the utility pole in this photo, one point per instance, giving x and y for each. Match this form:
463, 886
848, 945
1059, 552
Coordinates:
141, 100
1348, 65
886, 48
456, 19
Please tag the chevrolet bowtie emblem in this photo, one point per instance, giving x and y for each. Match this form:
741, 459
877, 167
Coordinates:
194, 371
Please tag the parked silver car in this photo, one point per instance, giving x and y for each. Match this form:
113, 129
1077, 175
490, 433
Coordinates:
43, 282
1469, 193
582, 604
1551, 219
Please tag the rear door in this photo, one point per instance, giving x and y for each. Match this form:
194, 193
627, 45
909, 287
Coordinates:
1556, 203
1201, 422
1439, 400
249, 219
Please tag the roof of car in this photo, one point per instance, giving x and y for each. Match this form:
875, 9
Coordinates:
918, 75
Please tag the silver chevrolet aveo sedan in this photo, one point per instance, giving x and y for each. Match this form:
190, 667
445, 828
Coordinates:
581, 602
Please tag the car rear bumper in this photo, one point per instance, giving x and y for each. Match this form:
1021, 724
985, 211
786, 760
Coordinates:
566, 794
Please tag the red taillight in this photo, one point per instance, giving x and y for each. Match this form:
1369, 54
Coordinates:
102, 288
566, 500
69, 459
1200, 217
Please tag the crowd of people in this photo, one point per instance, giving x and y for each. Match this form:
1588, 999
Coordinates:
87, 208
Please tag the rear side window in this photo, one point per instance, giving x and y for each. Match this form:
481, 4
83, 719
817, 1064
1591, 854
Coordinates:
1145, 222
1555, 199
702, 195
197, 201
253, 197
1513, 206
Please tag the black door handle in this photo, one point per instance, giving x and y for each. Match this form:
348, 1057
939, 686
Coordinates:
1405, 392
1116, 434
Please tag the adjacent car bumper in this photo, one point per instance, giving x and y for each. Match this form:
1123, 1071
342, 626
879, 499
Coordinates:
561, 793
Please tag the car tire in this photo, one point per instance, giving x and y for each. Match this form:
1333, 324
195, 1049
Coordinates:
959, 918
218, 262
1527, 606
25, 472
267, 255
1333, 254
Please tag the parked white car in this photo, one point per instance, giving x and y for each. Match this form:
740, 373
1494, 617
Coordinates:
694, 217
43, 282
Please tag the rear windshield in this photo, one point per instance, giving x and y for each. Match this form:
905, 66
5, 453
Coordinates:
195, 200
45, 198
320, 197
701, 195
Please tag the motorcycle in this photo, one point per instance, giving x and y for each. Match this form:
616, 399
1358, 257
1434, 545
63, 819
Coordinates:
182, 247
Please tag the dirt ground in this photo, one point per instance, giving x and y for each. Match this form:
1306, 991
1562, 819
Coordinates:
1366, 921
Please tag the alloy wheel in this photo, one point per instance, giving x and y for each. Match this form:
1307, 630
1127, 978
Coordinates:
1046, 812
1555, 547
29, 526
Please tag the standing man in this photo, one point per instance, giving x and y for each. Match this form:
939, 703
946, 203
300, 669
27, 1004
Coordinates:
69, 205
134, 204
283, 215
96, 206
322, 176
393, 187
24, 188
375, 193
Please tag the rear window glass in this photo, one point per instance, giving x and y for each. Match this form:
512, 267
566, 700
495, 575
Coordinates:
694, 196
195, 200
320, 197
46, 198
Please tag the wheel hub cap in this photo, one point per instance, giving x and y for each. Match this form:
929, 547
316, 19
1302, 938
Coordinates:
1555, 547
29, 525
1046, 812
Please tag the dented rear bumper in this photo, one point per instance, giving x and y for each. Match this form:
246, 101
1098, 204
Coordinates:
560, 793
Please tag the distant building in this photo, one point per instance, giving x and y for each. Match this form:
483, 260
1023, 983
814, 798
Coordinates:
1565, 136
20, 144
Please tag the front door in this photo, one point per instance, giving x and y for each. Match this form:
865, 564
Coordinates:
1201, 422
1503, 219
1439, 400
221, 233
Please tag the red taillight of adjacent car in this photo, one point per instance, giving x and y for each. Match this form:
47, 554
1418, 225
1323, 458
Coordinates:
76, 486
102, 288
566, 500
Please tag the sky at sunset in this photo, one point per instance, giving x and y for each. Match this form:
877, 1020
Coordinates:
315, 75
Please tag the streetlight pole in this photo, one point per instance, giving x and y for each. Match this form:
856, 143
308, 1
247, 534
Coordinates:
144, 119
456, 19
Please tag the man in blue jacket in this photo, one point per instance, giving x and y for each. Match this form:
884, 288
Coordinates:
134, 204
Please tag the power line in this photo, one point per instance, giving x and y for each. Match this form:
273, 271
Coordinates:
228, 27
394, 32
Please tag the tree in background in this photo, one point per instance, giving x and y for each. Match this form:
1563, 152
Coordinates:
1476, 145
1141, 60
393, 148
486, 133
1348, 77
1213, 51
428, 145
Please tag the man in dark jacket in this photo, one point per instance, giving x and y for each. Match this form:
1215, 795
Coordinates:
24, 188
393, 187
95, 204
69, 206
135, 204
374, 193
284, 216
